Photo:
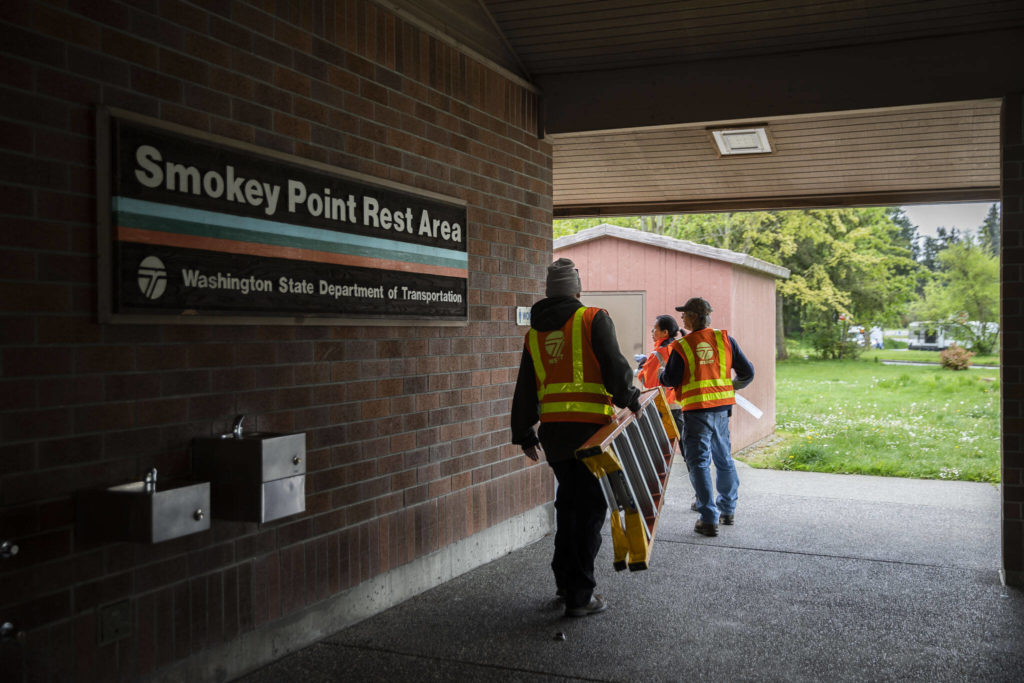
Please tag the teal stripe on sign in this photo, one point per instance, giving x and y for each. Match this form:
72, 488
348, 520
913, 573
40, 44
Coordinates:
137, 213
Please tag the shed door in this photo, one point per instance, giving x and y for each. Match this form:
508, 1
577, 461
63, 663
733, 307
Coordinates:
627, 310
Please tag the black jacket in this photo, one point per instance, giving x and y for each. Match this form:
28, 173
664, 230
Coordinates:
561, 439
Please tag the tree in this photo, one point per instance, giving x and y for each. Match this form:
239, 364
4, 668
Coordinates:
853, 264
965, 294
907, 231
931, 247
989, 232
845, 264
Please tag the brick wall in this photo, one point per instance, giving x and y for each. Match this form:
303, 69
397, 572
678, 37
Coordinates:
407, 426
1012, 345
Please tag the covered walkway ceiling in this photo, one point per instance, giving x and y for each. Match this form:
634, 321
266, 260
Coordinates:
866, 101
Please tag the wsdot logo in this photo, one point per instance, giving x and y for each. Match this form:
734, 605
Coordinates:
152, 277
705, 353
555, 346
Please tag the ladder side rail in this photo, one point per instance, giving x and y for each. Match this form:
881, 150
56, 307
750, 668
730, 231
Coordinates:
603, 437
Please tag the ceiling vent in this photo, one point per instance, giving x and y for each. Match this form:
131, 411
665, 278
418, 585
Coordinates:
742, 141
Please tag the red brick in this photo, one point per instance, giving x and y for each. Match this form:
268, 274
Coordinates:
68, 329
182, 621
129, 48
291, 126
66, 27
108, 589
17, 138
108, 417
105, 359
210, 51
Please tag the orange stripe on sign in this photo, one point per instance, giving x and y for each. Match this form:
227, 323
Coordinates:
168, 239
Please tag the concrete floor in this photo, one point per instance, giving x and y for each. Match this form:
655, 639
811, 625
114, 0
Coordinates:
823, 577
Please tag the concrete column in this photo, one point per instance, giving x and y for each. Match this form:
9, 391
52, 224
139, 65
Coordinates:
1012, 347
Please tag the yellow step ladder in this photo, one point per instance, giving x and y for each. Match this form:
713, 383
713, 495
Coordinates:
632, 458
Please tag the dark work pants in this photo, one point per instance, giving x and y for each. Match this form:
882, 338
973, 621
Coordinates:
580, 510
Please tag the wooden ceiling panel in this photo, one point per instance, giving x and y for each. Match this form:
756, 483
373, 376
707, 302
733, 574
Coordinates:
911, 152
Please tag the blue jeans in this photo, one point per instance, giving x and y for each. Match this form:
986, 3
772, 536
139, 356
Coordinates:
707, 441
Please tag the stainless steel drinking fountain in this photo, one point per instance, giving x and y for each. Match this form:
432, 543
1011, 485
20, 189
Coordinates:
254, 476
148, 511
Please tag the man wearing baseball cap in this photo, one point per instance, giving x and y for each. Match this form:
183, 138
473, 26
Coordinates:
700, 369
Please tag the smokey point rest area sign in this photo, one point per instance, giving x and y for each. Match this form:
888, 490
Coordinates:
198, 225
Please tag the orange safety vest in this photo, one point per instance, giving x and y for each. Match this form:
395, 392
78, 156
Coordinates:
569, 384
707, 380
649, 372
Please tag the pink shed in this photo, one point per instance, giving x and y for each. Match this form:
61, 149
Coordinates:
639, 275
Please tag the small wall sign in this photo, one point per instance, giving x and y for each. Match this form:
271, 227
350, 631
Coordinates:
194, 226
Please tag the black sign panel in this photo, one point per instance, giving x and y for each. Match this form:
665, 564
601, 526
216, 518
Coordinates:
204, 226
187, 281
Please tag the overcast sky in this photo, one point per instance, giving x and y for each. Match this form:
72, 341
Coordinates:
964, 217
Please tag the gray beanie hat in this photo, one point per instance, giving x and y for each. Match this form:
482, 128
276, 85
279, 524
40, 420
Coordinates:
563, 279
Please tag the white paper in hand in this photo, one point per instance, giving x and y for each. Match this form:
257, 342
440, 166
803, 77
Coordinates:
749, 407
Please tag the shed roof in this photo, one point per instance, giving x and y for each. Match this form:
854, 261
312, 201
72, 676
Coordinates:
666, 242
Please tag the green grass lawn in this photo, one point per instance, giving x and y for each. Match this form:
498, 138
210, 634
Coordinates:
865, 417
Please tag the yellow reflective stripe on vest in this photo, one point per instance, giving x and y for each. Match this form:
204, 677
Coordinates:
700, 398
572, 388
577, 346
720, 343
577, 407
704, 383
691, 364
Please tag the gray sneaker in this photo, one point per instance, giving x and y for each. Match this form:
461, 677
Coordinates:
596, 604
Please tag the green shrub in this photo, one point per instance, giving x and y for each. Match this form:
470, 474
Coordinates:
888, 343
956, 357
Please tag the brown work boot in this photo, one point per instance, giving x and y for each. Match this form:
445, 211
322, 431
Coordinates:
705, 528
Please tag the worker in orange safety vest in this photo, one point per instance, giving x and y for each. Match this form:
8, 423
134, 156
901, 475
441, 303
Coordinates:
571, 377
663, 333
700, 369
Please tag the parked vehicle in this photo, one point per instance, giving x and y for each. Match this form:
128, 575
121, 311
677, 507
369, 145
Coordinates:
929, 335
858, 335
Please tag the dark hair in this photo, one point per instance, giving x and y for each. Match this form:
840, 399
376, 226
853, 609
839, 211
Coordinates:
667, 323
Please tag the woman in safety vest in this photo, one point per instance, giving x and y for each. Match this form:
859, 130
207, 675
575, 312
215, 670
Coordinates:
663, 333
